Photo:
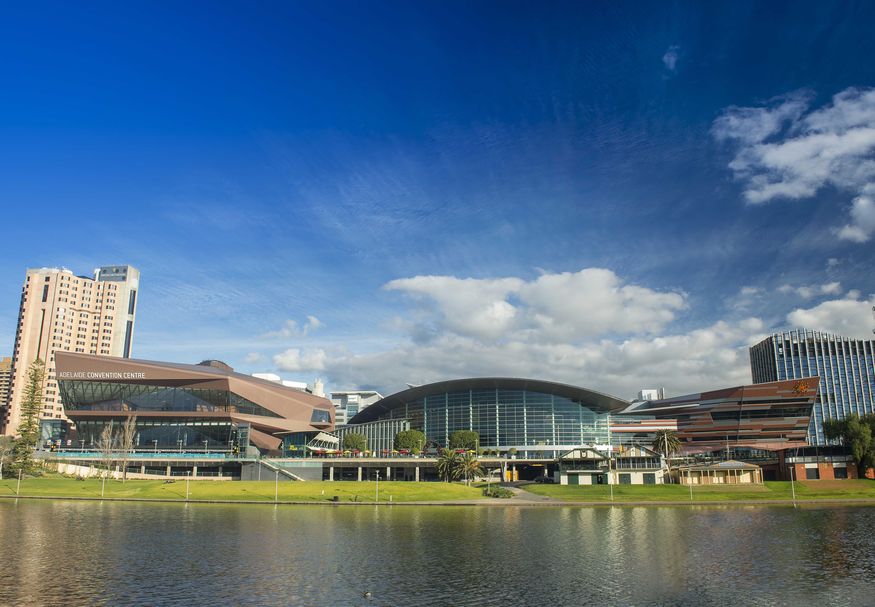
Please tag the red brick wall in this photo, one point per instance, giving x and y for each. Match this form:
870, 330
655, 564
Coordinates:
825, 470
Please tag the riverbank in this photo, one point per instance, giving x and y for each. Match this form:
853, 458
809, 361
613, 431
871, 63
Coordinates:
857, 492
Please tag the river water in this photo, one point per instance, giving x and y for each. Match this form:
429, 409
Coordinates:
91, 553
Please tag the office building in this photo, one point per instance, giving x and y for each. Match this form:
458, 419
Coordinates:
845, 366
348, 403
62, 312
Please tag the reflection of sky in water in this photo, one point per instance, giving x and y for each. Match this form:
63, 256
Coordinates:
88, 553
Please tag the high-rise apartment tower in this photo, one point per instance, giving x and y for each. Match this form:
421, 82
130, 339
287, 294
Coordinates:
846, 368
61, 311
5, 378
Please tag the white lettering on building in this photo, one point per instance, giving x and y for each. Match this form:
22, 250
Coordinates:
101, 375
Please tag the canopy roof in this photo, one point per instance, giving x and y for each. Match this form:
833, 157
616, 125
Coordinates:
591, 399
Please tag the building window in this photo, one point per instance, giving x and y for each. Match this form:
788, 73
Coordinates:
625, 479
812, 474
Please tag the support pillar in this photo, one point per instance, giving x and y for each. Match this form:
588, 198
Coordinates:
360, 473
416, 472
168, 469
194, 471
142, 468
331, 473
388, 473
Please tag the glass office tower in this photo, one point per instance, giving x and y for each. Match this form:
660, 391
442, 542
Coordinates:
846, 368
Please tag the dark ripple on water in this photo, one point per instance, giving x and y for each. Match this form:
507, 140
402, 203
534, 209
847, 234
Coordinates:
75, 553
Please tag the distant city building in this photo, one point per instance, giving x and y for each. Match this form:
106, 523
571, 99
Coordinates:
347, 403
846, 368
61, 312
5, 379
657, 394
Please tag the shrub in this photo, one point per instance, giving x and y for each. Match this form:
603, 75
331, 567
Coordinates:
499, 492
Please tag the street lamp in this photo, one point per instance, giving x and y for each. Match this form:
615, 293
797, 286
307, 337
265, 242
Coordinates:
155, 442
179, 445
378, 487
206, 442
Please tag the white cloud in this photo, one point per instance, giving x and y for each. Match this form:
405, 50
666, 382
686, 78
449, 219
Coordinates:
566, 306
849, 317
295, 359
862, 224
809, 291
291, 328
782, 152
253, 357
670, 58
710, 357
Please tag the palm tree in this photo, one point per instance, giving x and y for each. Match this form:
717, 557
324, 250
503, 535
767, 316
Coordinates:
469, 467
448, 464
667, 443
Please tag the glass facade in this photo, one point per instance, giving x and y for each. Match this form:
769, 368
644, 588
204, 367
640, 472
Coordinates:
164, 434
106, 396
846, 368
528, 421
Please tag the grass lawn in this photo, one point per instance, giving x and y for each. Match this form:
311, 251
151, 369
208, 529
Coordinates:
315, 491
657, 493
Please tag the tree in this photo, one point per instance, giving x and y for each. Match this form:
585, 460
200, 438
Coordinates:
464, 439
28, 428
469, 467
448, 464
354, 441
129, 432
666, 442
410, 440
7, 443
106, 446
856, 434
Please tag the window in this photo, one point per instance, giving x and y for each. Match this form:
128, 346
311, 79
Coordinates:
625, 479
649, 478
45, 293
812, 474
840, 472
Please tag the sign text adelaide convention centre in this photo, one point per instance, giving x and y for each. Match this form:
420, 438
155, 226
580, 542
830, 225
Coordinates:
101, 375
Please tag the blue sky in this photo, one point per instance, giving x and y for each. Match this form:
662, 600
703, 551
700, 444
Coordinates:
613, 195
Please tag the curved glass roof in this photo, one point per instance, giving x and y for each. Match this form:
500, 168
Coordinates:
596, 401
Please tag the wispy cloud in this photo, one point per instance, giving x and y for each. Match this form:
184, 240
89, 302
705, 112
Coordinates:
291, 328
670, 58
785, 150
809, 291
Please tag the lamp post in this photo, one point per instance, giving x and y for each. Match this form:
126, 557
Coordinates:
276, 487
793, 483
155, 442
378, 487
18, 486
187, 493
179, 445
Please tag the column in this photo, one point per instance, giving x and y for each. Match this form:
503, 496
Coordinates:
331, 473
360, 473
142, 468
388, 473
168, 469
194, 471
416, 469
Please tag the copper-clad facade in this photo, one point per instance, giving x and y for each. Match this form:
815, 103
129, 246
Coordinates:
771, 415
97, 389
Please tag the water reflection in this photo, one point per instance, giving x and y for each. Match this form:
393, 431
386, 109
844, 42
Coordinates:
169, 554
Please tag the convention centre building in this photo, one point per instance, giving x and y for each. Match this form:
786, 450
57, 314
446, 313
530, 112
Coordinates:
181, 407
